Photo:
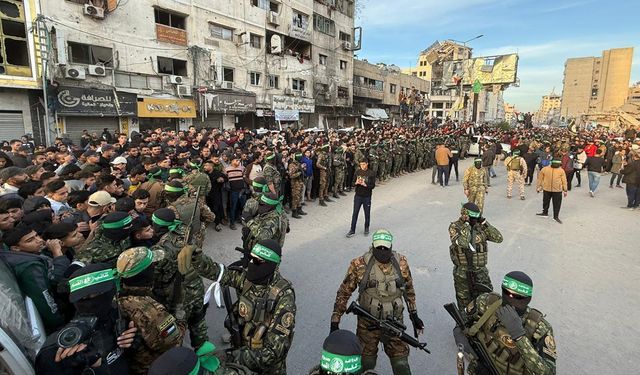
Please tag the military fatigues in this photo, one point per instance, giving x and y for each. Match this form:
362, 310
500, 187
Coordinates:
516, 170
474, 181
183, 208
322, 163
339, 170
296, 177
100, 249
270, 225
158, 329
266, 315
197, 180
532, 354
250, 209
469, 256
382, 162
271, 174
182, 295
373, 160
382, 289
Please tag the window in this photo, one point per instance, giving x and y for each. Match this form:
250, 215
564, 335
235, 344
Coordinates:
255, 41
324, 25
322, 59
274, 7
274, 81
88, 54
343, 92
489, 61
227, 74
170, 19
266, 5
254, 78
220, 32
343, 65
172, 66
300, 20
392, 88
594, 92
345, 37
297, 84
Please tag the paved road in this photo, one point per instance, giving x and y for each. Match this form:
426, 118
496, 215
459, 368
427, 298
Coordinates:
585, 271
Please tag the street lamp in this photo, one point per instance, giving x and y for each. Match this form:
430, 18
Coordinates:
467, 41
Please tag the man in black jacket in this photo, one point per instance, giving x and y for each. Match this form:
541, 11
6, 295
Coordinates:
631, 178
365, 182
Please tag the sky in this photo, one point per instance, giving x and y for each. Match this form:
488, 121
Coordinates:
543, 32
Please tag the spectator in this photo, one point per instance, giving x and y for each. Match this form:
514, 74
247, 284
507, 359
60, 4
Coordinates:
141, 201
443, 155
236, 188
13, 178
631, 173
617, 160
31, 189
552, 181
365, 183
595, 167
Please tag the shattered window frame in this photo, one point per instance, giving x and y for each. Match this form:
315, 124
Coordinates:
18, 61
94, 55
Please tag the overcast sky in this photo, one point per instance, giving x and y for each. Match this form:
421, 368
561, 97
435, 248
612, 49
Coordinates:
543, 32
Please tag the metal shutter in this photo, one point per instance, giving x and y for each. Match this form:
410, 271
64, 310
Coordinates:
75, 125
11, 125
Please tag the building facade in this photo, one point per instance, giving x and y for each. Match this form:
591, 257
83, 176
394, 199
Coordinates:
596, 84
549, 108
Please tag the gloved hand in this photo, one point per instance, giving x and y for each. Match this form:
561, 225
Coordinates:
334, 326
418, 325
184, 258
510, 319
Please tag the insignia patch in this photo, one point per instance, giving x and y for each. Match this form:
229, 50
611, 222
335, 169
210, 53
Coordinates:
166, 323
507, 341
550, 347
242, 310
287, 320
283, 330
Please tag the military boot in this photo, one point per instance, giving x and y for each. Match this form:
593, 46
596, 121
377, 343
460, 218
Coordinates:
400, 366
295, 215
336, 196
322, 203
300, 212
369, 362
342, 193
326, 199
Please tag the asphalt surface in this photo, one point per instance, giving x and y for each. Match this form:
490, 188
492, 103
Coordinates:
585, 271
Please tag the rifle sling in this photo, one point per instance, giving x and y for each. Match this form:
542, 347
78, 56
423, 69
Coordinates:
473, 331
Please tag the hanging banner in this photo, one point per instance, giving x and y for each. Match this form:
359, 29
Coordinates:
287, 115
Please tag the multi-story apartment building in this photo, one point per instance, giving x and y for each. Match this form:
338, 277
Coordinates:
549, 108
596, 84
144, 64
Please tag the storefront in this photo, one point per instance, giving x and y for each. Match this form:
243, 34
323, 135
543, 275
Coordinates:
175, 114
92, 110
224, 109
287, 106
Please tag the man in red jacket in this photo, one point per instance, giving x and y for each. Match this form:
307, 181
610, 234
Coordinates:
591, 149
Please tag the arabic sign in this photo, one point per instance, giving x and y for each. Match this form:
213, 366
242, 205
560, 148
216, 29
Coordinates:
226, 102
90, 102
287, 115
303, 105
299, 32
167, 108
171, 35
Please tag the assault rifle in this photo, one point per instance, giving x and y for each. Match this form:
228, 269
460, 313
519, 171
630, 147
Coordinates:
390, 326
473, 341
231, 322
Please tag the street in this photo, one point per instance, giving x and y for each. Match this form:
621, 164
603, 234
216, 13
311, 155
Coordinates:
585, 271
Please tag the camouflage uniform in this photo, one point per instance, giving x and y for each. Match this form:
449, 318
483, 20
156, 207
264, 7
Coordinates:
373, 159
517, 169
389, 158
250, 209
339, 168
468, 256
271, 174
382, 162
266, 334
190, 306
322, 163
420, 154
158, 329
393, 346
270, 225
475, 182
198, 179
100, 249
533, 354
296, 176
411, 151
183, 208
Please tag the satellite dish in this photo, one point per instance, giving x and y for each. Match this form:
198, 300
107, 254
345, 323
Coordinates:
276, 44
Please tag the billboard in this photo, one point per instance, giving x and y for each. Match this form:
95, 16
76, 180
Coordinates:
489, 70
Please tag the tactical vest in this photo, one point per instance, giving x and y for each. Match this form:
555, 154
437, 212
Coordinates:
498, 343
514, 164
380, 294
256, 315
468, 258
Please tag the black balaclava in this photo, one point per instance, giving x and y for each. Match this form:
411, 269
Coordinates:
472, 211
164, 214
382, 254
260, 273
517, 288
143, 279
341, 351
477, 163
100, 306
117, 226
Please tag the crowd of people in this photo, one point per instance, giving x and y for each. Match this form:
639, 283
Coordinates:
105, 235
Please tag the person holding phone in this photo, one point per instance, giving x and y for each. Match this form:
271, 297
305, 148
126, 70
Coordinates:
365, 182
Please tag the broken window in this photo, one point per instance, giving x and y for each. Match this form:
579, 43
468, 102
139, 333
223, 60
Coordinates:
324, 25
91, 55
343, 92
297, 84
170, 19
14, 50
274, 81
300, 20
172, 66
227, 74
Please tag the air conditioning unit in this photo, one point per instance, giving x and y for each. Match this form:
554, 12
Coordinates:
227, 85
97, 70
288, 91
176, 80
303, 94
272, 18
75, 72
184, 90
346, 46
94, 11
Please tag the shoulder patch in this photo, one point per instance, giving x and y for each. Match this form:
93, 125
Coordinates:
287, 319
549, 347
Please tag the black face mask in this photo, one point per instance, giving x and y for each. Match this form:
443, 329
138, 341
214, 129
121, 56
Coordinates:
100, 306
382, 254
117, 235
143, 279
478, 165
260, 273
518, 302
473, 221
159, 231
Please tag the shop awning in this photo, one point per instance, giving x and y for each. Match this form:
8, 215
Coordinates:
377, 113
368, 118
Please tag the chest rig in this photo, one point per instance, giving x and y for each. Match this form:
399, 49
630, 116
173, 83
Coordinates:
255, 310
381, 293
473, 257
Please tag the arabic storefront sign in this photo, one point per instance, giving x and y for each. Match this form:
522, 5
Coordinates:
80, 101
303, 105
299, 32
229, 103
171, 35
167, 108
287, 115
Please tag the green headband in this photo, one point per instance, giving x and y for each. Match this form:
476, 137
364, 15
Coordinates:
382, 237
298, 155
158, 173
335, 363
172, 225
270, 201
270, 157
517, 286
475, 160
176, 171
556, 161
90, 279
173, 189
206, 359
195, 165
265, 253
143, 265
118, 224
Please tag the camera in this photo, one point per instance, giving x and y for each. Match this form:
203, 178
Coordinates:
79, 330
